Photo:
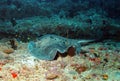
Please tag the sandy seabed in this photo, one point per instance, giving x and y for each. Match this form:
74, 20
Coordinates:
96, 62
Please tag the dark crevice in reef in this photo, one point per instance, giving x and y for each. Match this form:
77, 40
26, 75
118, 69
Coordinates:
101, 33
107, 33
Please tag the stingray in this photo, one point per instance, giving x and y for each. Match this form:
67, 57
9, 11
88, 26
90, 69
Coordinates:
47, 46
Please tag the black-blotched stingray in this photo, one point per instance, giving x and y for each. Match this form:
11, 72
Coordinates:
48, 45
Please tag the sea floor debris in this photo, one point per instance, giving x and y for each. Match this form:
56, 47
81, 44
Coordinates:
98, 62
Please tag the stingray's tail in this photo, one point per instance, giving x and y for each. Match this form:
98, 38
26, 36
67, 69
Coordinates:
87, 42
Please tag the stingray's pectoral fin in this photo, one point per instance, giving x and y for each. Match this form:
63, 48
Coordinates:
31, 46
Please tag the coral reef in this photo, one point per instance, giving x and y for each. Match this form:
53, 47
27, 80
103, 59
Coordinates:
78, 20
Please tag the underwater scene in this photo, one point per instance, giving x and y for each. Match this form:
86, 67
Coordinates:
59, 40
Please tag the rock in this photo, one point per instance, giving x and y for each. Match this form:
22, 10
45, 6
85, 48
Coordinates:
51, 76
8, 51
104, 76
